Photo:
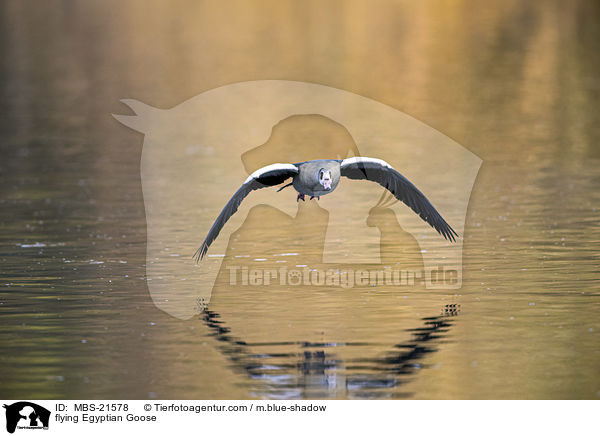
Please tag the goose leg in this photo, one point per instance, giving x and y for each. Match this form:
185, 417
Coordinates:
315, 196
300, 197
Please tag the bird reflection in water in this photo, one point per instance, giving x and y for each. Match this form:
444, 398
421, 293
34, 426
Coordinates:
288, 370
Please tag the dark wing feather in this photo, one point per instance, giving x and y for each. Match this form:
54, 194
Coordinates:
382, 173
268, 176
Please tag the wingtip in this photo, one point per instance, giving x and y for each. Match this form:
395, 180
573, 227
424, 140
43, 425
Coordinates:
198, 256
452, 235
448, 233
200, 252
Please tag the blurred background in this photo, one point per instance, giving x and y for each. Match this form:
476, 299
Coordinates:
517, 83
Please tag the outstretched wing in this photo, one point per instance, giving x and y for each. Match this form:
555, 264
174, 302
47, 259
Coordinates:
270, 175
379, 171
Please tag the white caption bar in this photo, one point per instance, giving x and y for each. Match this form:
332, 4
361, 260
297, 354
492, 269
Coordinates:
155, 417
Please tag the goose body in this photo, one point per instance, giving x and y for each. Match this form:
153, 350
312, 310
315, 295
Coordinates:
320, 177
308, 181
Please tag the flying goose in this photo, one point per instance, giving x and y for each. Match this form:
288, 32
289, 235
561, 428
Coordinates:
320, 177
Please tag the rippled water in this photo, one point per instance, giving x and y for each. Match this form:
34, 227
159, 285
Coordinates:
517, 84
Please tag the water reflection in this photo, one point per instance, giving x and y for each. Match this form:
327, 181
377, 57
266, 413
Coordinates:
305, 369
